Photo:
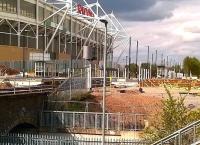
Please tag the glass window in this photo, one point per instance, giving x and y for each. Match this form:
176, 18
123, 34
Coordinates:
8, 6
41, 13
1, 5
48, 21
66, 25
28, 9
4, 6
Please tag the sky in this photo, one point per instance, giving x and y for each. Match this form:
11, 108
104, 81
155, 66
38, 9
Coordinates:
170, 26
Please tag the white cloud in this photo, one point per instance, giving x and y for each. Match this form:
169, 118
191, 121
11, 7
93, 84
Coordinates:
176, 36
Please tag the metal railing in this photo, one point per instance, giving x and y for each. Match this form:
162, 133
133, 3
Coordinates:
92, 120
85, 106
64, 139
185, 136
14, 86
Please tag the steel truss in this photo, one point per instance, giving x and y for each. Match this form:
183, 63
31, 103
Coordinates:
65, 8
115, 30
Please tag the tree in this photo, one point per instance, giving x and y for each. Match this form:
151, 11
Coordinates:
133, 70
173, 117
187, 65
177, 68
191, 65
174, 114
153, 70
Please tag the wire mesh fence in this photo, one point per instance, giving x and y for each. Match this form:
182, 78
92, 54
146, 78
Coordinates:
43, 139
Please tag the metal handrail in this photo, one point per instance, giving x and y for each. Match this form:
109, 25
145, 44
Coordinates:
177, 133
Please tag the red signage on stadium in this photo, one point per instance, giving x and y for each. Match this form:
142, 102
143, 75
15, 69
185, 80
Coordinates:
84, 11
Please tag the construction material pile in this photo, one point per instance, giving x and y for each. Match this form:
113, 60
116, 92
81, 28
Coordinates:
5, 85
4, 70
181, 83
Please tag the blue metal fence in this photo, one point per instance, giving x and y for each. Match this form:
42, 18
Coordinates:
36, 139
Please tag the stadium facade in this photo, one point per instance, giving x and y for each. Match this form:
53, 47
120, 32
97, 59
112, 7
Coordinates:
34, 32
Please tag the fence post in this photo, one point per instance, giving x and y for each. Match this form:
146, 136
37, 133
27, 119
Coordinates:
95, 121
179, 138
73, 119
14, 86
63, 125
68, 72
107, 121
194, 131
84, 123
119, 121
29, 85
51, 121
135, 126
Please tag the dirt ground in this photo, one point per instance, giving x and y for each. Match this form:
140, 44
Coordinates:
159, 92
132, 101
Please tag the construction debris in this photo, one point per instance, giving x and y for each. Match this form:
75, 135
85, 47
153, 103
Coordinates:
4, 70
5, 85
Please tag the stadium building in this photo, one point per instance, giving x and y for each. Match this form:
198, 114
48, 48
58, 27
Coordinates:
37, 34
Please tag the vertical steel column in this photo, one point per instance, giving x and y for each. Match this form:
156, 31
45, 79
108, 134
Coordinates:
19, 29
59, 42
37, 20
100, 52
97, 40
76, 46
65, 50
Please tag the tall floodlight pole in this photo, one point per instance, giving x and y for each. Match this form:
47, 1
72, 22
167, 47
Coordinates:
129, 75
162, 59
148, 56
152, 57
156, 57
136, 62
104, 80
